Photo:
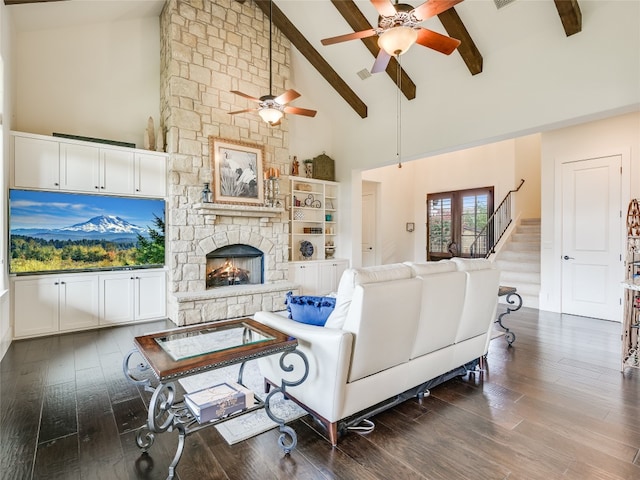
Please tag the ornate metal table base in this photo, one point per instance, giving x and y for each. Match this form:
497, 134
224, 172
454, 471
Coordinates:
166, 414
510, 292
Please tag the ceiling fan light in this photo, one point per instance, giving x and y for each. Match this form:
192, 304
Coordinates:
270, 115
397, 40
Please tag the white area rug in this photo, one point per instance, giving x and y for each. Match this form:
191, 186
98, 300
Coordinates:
250, 424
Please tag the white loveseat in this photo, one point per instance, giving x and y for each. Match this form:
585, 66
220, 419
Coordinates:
394, 329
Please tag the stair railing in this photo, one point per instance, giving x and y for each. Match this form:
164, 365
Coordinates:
485, 242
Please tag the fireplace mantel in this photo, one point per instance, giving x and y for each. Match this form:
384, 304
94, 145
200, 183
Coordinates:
222, 209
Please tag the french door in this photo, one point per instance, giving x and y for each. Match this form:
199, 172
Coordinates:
456, 221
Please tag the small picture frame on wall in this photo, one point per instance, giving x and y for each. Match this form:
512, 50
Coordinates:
237, 171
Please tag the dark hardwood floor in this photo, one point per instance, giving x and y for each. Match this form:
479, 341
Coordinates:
555, 406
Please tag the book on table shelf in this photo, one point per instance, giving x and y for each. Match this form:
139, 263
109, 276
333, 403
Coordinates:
218, 401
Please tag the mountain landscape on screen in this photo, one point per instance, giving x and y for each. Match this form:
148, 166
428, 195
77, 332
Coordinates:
60, 231
102, 227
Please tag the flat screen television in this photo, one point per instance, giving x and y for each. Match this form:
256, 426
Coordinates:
60, 232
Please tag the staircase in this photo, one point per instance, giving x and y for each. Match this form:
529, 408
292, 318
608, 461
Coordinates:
519, 261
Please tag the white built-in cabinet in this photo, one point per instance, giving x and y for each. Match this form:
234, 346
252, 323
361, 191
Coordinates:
47, 304
54, 163
137, 296
317, 277
55, 303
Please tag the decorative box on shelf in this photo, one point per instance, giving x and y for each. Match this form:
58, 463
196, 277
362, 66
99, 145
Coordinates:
218, 401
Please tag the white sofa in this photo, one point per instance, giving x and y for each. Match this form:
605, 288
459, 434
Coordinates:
394, 329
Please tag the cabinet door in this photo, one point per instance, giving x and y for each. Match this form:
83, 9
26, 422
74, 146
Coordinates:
79, 168
116, 171
35, 306
116, 302
150, 175
329, 276
36, 163
78, 302
150, 295
305, 275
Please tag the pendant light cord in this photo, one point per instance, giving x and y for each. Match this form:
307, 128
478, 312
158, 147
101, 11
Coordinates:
270, 47
399, 114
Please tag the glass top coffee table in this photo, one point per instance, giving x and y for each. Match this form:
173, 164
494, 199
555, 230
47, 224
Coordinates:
177, 353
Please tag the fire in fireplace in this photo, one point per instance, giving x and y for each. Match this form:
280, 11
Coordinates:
234, 265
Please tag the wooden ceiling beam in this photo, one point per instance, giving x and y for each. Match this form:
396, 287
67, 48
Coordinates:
356, 20
22, 2
296, 38
452, 23
570, 15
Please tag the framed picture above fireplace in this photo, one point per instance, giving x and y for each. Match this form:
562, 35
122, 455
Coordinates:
237, 172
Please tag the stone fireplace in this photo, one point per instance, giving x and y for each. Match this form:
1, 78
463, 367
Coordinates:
258, 235
203, 58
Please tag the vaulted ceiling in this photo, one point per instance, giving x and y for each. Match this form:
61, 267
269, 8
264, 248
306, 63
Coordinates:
306, 23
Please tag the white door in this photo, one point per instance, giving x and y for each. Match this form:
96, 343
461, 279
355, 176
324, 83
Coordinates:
150, 175
80, 167
36, 163
79, 304
117, 298
116, 171
591, 249
35, 304
368, 229
150, 295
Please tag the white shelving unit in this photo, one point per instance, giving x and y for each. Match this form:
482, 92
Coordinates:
313, 216
314, 211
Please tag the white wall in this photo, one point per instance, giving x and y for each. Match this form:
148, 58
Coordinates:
527, 166
396, 202
613, 136
96, 80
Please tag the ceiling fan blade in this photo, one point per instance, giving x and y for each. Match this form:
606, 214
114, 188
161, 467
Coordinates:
245, 95
384, 7
286, 97
300, 111
243, 111
432, 8
382, 60
437, 41
348, 36
275, 124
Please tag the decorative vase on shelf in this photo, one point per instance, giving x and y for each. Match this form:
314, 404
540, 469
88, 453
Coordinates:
306, 250
206, 194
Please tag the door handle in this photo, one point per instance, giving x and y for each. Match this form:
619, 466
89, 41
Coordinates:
567, 257
370, 248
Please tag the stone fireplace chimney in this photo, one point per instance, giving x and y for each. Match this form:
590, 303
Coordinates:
203, 58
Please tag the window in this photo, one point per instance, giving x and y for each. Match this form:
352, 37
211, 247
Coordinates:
454, 221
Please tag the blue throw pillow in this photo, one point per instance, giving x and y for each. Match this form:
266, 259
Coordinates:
310, 310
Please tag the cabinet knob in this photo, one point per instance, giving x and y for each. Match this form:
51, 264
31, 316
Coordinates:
131, 278
56, 283
137, 189
63, 283
102, 187
96, 187
56, 184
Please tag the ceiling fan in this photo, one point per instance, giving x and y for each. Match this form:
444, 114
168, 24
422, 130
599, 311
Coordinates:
271, 108
398, 29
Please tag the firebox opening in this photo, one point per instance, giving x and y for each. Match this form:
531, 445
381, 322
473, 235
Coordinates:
234, 265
